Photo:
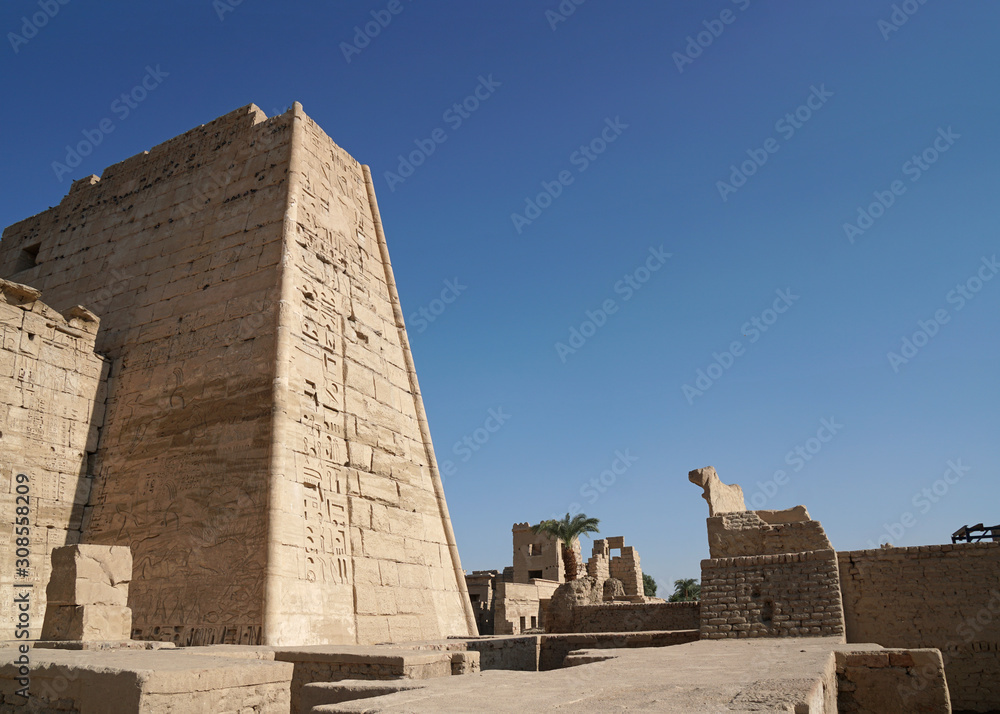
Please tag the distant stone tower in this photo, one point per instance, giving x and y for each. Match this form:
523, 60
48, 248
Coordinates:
265, 451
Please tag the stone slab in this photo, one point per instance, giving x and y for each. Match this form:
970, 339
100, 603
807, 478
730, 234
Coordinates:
146, 682
738, 676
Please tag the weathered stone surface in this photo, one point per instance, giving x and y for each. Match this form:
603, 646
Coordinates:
145, 682
789, 515
87, 622
87, 574
613, 588
582, 591
737, 677
721, 497
892, 682
252, 456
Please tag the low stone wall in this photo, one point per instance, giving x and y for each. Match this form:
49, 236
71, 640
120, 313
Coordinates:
319, 664
942, 596
877, 682
789, 595
554, 648
636, 617
512, 653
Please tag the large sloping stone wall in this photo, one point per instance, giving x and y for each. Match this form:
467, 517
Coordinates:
265, 452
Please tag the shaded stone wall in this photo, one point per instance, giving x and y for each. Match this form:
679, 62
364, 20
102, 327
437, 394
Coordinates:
941, 596
789, 595
52, 393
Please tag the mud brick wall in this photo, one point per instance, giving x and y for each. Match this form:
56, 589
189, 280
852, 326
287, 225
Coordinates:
270, 467
636, 617
788, 595
941, 596
52, 393
880, 681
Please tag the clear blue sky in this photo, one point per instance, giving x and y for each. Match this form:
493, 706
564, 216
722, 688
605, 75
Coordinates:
879, 94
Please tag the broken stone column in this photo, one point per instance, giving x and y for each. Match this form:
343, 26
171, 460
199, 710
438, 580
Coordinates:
87, 595
721, 497
598, 565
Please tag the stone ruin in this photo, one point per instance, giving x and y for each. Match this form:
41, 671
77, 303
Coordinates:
776, 574
226, 449
87, 594
518, 600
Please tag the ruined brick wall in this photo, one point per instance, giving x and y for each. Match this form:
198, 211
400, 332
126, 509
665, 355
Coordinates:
941, 596
625, 567
636, 617
270, 468
788, 595
52, 393
736, 534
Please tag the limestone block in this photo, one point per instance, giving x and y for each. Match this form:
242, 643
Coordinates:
87, 622
796, 514
90, 575
721, 497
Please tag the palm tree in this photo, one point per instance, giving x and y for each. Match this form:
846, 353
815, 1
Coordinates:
685, 590
567, 531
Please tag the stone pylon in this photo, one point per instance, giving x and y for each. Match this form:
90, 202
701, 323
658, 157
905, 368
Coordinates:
265, 452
